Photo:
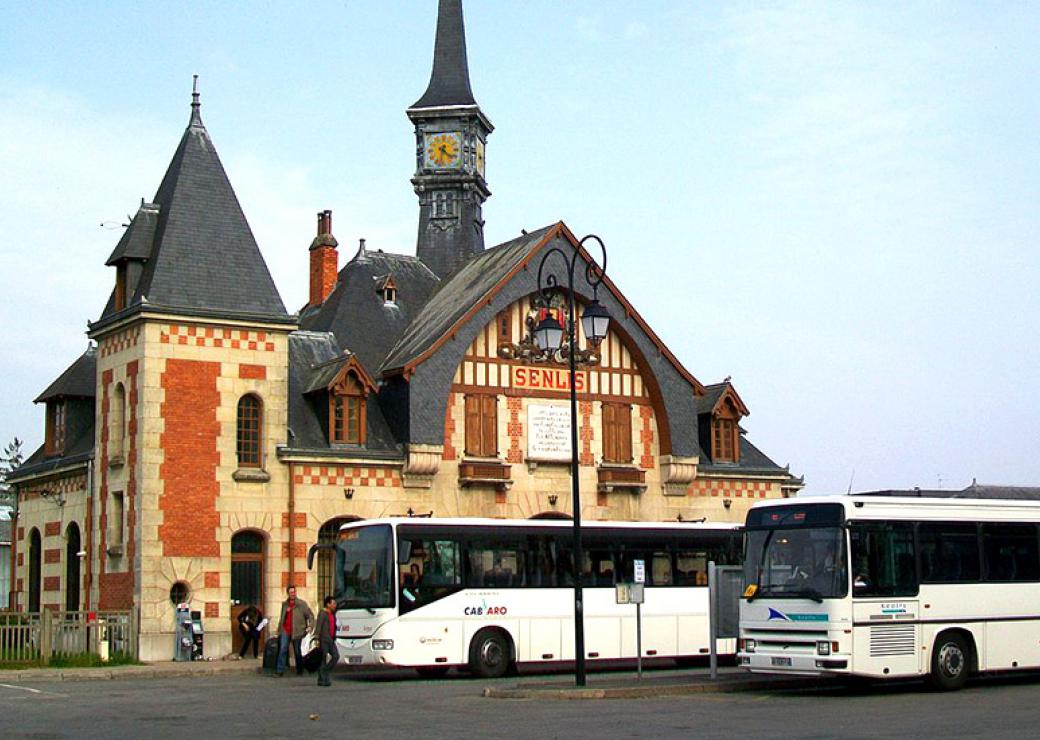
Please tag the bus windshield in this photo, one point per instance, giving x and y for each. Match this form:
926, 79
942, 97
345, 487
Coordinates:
364, 567
797, 562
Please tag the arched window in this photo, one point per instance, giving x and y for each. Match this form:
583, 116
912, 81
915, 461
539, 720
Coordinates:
117, 422
72, 567
250, 424
347, 413
34, 570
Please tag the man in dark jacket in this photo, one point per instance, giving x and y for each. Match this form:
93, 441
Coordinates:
249, 626
326, 630
295, 620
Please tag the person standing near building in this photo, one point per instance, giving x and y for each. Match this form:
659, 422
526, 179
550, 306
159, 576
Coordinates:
249, 625
295, 620
326, 630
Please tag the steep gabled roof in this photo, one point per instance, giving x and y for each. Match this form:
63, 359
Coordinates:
77, 381
714, 395
139, 238
356, 313
202, 256
449, 81
461, 294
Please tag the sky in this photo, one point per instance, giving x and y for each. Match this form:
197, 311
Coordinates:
834, 204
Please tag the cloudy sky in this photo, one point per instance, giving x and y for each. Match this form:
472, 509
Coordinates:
835, 204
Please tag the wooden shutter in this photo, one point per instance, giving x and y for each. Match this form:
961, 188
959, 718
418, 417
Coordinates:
473, 425
609, 433
623, 422
489, 426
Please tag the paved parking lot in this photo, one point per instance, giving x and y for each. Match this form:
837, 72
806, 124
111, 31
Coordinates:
397, 705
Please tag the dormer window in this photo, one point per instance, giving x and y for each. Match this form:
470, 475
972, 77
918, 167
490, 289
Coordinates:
388, 290
56, 418
725, 440
347, 411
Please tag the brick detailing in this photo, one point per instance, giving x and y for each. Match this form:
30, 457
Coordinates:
324, 264
52, 583
299, 580
515, 430
208, 336
450, 453
189, 469
585, 434
299, 549
115, 590
119, 341
21, 533
252, 372
21, 559
212, 579
731, 488
299, 520
326, 475
212, 609
646, 436
52, 529
52, 555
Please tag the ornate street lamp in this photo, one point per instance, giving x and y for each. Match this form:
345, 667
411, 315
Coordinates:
594, 322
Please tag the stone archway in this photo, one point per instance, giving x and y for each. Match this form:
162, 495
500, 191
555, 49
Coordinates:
248, 549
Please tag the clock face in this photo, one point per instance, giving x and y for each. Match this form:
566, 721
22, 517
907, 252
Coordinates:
480, 157
443, 150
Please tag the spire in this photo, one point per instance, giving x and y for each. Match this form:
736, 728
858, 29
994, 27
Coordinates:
449, 82
196, 115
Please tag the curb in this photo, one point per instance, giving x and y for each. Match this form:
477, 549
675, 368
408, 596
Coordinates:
646, 692
56, 675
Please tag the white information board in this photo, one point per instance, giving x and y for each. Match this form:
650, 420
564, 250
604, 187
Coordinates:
549, 432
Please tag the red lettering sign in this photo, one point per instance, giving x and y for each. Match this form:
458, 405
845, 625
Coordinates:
548, 378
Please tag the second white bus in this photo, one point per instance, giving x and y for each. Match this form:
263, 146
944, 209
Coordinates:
892, 587
485, 594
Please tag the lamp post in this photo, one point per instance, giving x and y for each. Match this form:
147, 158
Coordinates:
548, 335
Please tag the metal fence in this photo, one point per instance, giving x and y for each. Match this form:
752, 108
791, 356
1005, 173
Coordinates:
36, 637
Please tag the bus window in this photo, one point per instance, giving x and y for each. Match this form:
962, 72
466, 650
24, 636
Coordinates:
949, 552
1010, 552
598, 568
661, 569
541, 561
495, 564
691, 568
883, 559
431, 573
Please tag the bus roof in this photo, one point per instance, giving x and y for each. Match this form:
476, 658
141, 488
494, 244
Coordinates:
546, 523
860, 506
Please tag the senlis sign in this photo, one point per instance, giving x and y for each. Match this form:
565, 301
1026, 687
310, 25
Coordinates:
548, 379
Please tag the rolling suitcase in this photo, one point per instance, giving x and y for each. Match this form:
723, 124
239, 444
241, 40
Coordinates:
271, 655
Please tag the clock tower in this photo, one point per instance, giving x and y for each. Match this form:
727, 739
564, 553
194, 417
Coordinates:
450, 135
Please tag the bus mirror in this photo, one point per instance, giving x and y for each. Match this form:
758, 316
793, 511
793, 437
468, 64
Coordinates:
314, 549
404, 552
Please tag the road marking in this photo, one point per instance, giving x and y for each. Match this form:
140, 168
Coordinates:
20, 688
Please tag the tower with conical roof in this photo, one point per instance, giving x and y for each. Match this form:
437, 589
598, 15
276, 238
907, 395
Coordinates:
450, 137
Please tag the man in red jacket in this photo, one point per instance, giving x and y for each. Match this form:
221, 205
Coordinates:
293, 624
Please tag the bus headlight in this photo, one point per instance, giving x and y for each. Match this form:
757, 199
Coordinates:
823, 647
382, 644
747, 645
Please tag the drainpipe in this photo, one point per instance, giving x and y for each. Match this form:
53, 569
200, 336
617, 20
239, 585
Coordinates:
88, 577
292, 529
13, 579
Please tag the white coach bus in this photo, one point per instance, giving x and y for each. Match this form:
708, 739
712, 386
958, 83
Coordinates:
485, 594
891, 587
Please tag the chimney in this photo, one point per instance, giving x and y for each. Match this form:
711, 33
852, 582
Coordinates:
324, 261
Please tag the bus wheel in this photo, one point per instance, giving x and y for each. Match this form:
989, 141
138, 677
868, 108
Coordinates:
489, 654
950, 662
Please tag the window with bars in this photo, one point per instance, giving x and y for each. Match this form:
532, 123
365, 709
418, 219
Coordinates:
250, 424
347, 412
725, 447
482, 425
617, 433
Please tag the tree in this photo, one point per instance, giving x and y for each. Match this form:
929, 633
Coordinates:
10, 460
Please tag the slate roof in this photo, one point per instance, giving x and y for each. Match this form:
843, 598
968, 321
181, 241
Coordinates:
458, 295
1022, 493
752, 460
138, 239
77, 451
356, 313
202, 256
77, 381
449, 81
712, 394
312, 357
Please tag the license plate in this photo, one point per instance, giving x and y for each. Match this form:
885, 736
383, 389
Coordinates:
780, 661
354, 659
